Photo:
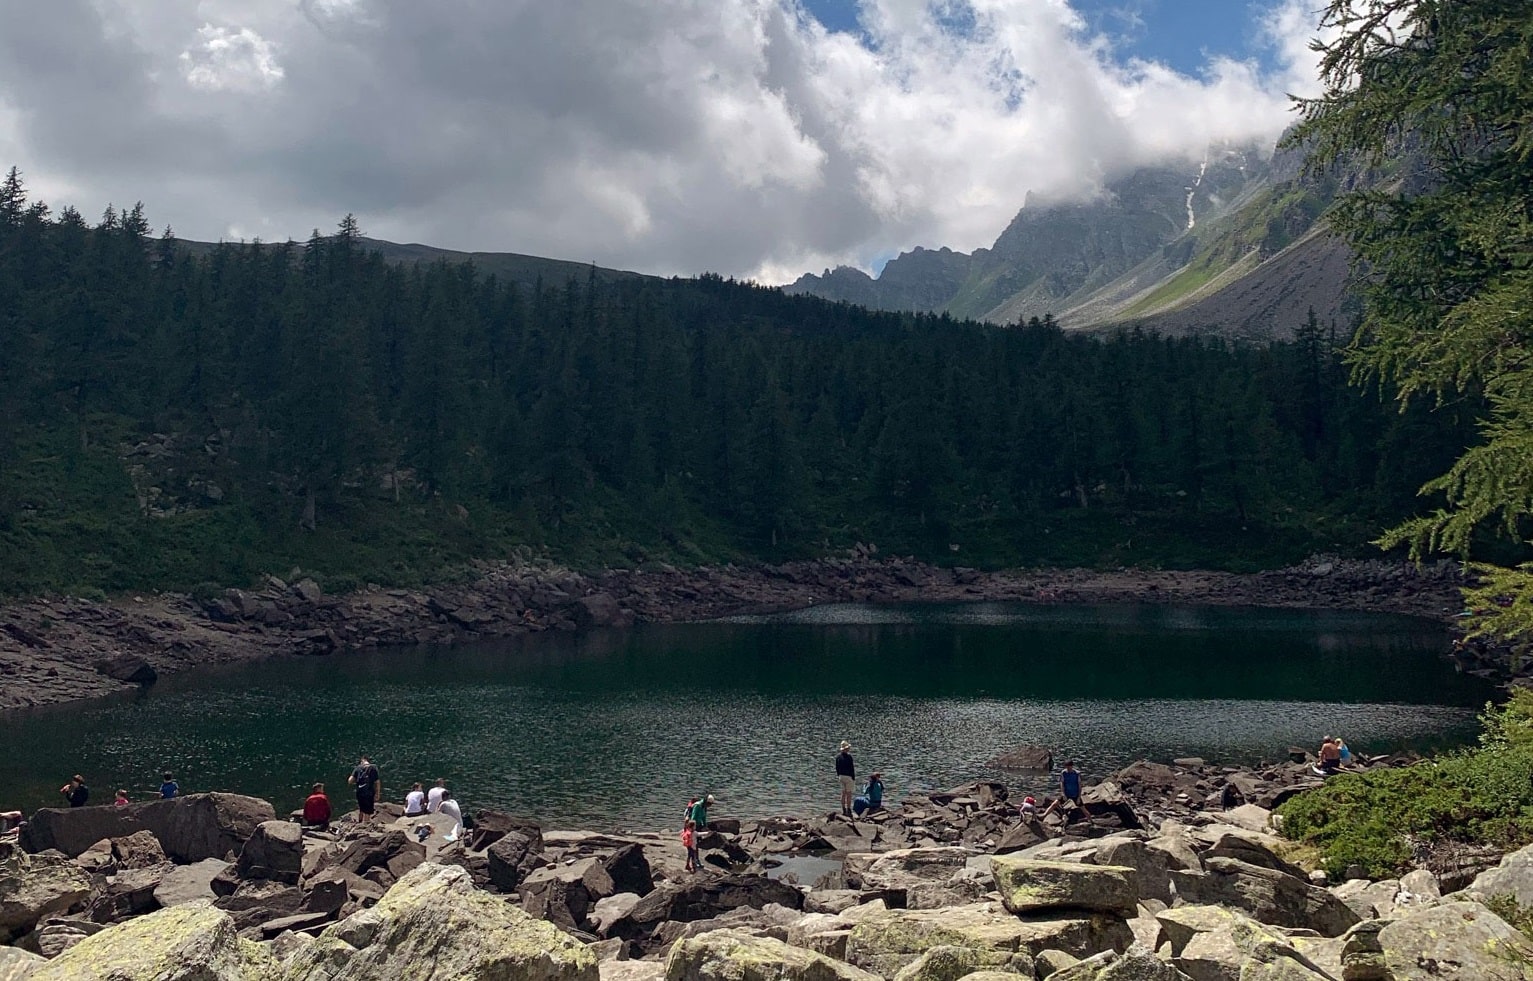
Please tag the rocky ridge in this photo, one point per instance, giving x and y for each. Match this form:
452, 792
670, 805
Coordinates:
1159, 879
60, 649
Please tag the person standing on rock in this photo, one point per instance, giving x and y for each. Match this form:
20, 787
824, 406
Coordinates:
846, 772
1070, 785
369, 785
689, 842
698, 815
76, 792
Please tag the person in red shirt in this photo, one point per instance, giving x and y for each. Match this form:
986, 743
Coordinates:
316, 810
689, 842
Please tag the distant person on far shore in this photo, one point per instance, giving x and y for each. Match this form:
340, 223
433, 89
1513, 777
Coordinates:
316, 809
434, 798
168, 786
449, 807
369, 785
846, 773
689, 842
415, 801
76, 792
122, 799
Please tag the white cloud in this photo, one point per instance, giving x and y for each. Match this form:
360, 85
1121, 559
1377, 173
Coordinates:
225, 59
670, 136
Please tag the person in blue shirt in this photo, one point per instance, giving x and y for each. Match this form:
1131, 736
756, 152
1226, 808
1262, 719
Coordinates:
169, 788
1070, 784
872, 798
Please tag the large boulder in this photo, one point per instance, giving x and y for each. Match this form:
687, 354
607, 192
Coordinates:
886, 941
1455, 942
73, 830
1268, 895
918, 878
37, 887
274, 851
1210, 943
192, 942
140, 850
129, 893
201, 826
17, 964
703, 898
1029, 886
629, 871
1151, 867
1136, 965
512, 855
952, 963
1513, 877
738, 955
434, 925
189, 883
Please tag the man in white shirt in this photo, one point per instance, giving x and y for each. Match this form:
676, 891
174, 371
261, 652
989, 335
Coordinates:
449, 807
434, 799
415, 802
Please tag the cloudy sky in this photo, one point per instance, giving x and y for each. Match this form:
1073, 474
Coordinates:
754, 138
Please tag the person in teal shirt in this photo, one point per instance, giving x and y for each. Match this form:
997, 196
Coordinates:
699, 812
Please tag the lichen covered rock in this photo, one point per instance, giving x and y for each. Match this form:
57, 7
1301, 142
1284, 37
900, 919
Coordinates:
433, 925
190, 942
1455, 942
738, 955
1030, 886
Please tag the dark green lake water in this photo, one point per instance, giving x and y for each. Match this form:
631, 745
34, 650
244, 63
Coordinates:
616, 729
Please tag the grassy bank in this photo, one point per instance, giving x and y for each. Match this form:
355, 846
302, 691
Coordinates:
1381, 819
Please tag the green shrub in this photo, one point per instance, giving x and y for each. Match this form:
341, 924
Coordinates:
1480, 796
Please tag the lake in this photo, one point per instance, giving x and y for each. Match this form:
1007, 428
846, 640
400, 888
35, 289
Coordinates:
616, 729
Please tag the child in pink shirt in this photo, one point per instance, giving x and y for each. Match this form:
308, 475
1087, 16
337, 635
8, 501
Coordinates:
689, 842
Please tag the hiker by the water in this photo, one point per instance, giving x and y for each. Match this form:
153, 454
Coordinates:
168, 786
689, 842
1330, 755
76, 792
846, 772
434, 797
1070, 784
872, 797
449, 807
316, 809
415, 801
698, 812
369, 784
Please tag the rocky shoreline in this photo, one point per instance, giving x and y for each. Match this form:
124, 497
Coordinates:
1161, 880
61, 649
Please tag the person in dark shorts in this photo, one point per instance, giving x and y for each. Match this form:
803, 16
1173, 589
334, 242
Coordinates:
76, 792
1070, 785
369, 785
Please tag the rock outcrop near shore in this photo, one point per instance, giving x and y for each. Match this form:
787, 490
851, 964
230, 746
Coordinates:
61, 649
1163, 885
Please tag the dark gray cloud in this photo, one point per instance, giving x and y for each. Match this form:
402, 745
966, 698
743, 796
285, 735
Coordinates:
662, 135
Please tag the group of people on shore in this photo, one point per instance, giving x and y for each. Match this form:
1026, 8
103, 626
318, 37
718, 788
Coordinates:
1334, 755
367, 782
78, 794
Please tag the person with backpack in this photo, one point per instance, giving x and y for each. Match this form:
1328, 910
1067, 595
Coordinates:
846, 772
369, 785
697, 812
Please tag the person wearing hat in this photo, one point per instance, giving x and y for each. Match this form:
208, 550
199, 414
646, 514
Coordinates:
846, 772
699, 813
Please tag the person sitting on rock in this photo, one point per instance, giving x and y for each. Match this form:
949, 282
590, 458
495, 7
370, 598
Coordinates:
122, 799
1330, 755
1345, 757
168, 787
76, 792
316, 810
415, 801
872, 797
449, 807
434, 798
